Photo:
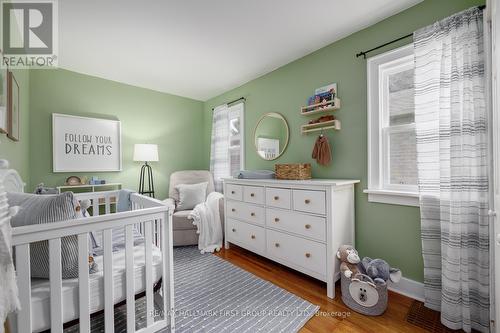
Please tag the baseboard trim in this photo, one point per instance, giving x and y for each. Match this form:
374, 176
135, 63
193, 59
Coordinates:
409, 288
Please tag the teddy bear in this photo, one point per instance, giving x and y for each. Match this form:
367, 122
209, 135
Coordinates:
349, 260
380, 271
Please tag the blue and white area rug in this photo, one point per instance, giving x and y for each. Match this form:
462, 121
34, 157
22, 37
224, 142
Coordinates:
213, 295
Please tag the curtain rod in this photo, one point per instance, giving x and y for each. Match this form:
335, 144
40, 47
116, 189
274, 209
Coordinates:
363, 53
234, 101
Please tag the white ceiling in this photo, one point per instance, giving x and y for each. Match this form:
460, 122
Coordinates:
202, 48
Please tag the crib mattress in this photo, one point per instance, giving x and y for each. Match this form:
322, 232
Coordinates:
40, 288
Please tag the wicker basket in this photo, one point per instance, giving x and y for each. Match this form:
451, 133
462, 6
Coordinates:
296, 171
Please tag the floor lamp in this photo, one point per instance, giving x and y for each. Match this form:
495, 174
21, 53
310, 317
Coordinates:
146, 153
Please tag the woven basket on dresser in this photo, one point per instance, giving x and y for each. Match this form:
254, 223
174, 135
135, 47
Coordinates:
296, 171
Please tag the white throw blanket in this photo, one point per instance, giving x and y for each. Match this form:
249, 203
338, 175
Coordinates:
9, 301
207, 219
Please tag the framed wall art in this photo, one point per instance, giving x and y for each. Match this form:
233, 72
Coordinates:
82, 144
13, 109
4, 71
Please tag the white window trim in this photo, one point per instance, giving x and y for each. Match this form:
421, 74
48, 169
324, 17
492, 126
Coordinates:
376, 191
239, 108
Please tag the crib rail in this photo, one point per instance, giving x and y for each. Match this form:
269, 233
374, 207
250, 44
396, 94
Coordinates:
155, 222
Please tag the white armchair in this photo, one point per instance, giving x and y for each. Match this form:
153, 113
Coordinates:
184, 232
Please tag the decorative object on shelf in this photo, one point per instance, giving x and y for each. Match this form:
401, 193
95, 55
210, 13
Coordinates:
73, 180
271, 136
82, 144
146, 153
4, 73
321, 151
13, 110
322, 119
96, 181
324, 99
296, 171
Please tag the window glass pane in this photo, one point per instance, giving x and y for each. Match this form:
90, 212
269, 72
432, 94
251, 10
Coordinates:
234, 126
403, 158
401, 102
234, 160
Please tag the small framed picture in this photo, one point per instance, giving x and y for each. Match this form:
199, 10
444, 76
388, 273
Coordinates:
13, 110
3, 96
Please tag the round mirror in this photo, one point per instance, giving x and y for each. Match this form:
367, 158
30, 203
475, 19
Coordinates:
271, 136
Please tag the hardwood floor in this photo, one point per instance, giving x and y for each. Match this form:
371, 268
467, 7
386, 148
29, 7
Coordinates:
334, 315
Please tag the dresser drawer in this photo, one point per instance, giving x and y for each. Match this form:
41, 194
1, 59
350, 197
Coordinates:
297, 223
278, 197
253, 194
245, 211
246, 235
309, 201
234, 192
297, 251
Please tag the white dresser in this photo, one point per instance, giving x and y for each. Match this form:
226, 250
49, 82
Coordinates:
299, 224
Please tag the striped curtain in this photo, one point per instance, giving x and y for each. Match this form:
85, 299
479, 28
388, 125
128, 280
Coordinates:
219, 152
452, 160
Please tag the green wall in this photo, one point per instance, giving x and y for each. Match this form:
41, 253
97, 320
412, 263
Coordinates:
386, 231
17, 153
174, 123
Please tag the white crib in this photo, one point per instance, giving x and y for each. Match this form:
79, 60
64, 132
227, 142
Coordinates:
154, 221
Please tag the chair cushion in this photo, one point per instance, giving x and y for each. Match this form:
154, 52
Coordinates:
190, 195
180, 220
38, 209
189, 177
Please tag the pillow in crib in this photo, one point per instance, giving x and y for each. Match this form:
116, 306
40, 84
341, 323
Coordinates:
38, 209
190, 195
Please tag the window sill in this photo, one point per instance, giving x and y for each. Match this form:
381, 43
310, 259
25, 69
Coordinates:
393, 197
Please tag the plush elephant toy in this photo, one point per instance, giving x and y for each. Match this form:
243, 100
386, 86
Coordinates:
349, 260
380, 271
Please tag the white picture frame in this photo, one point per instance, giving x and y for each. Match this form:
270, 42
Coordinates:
83, 144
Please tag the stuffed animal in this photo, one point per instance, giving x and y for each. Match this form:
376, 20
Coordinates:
349, 260
380, 271
42, 189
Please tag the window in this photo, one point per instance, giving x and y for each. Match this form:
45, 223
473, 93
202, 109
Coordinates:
227, 149
392, 154
236, 139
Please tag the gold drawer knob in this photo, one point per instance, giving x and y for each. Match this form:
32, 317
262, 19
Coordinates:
308, 226
252, 214
307, 201
233, 210
277, 244
252, 237
234, 230
276, 198
308, 255
276, 219
232, 192
252, 194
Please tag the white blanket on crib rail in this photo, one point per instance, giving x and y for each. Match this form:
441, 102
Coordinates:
9, 300
206, 217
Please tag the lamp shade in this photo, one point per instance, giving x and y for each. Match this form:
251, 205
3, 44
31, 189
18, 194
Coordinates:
146, 152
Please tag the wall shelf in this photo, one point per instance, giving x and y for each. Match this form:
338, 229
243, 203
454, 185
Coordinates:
332, 124
320, 107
